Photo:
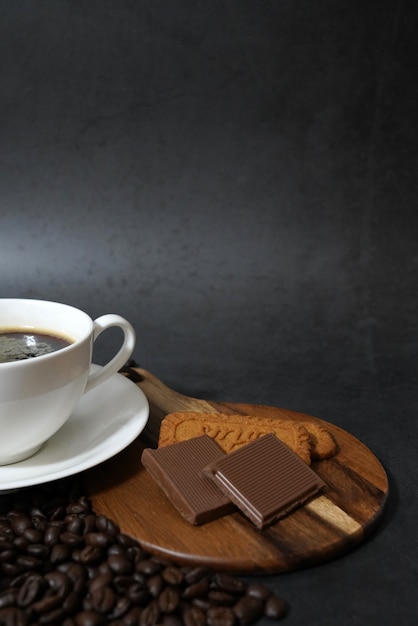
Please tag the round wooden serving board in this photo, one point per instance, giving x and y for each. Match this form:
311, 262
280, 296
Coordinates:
324, 528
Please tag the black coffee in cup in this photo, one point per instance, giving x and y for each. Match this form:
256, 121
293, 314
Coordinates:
18, 345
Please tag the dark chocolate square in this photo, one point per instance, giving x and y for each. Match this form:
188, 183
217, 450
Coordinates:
265, 479
178, 471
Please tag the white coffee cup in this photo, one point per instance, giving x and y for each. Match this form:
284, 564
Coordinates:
38, 395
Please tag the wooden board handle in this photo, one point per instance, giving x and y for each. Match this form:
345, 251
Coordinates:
163, 400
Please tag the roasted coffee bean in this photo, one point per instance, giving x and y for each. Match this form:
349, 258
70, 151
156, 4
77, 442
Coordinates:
12, 616
105, 525
51, 536
258, 590
228, 583
135, 554
221, 597
138, 594
150, 615
38, 550
33, 535
8, 554
89, 523
58, 513
27, 562
202, 603
102, 600
148, 567
85, 502
172, 575
21, 543
99, 568
75, 508
122, 606
119, 564
76, 573
193, 616
30, 590
59, 582
195, 574
102, 580
68, 518
275, 608
248, 609
47, 604
116, 549
97, 539
155, 585
60, 553
10, 569
39, 522
58, 523
220, 616
76, 525
139, 578
169, 599
13, 512
20, 523
90, 555
73, 540
197, 589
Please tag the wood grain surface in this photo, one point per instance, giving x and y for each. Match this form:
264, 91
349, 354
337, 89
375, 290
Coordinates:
324, 528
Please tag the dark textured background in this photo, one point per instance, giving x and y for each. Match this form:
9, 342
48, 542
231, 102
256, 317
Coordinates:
239, 180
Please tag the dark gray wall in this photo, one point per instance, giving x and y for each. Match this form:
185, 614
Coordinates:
239, 180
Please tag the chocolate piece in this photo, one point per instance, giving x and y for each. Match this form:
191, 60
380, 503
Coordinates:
178, 471
265, 479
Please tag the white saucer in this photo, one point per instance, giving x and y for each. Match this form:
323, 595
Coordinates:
106, 420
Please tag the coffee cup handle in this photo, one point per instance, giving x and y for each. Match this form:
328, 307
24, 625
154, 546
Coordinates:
121, 357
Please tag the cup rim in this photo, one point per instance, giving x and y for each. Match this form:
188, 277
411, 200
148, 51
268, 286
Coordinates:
76, 341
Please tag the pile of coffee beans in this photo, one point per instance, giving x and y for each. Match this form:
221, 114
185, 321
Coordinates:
63, 564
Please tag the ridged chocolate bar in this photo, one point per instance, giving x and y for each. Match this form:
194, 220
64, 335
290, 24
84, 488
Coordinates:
177, 469
265, 479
